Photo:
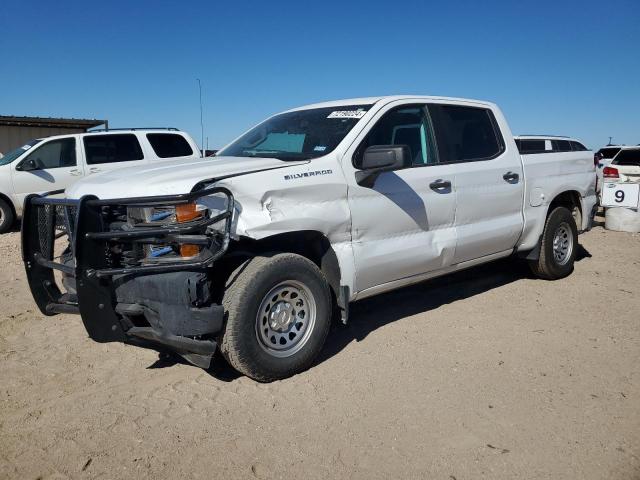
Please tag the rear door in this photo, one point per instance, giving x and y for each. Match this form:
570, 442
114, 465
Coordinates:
50, 165
488, 180
109, 151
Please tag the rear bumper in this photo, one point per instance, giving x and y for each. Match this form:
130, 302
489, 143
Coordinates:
164, 306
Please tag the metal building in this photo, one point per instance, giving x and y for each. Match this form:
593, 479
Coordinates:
15, 131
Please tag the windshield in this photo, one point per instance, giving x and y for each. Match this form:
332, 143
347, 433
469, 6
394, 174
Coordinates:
608, 152
298, 135
13, 154
628, 157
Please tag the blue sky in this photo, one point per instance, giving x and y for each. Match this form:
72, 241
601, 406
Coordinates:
569, 68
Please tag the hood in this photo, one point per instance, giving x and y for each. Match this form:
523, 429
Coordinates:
169, 178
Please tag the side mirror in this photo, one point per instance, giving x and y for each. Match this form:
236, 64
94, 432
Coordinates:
27, 166
382, 158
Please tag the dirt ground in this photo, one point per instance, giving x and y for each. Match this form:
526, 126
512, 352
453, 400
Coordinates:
486, 374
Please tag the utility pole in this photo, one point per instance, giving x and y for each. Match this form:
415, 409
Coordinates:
201, 124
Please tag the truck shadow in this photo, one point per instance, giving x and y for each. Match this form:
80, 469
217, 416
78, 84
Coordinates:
372, 313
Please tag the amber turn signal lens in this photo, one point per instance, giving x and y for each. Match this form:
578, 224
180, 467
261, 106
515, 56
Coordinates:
187, 212
189, 250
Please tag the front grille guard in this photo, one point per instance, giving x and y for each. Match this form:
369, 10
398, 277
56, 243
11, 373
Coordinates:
47, 219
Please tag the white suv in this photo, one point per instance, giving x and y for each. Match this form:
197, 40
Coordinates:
530, 144
54, 163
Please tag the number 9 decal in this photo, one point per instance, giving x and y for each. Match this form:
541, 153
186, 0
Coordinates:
619, 196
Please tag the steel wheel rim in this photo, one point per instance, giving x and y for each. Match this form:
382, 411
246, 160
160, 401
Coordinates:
562, 244
285, 319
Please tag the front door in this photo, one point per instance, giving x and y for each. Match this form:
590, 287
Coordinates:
52, 165
403, 222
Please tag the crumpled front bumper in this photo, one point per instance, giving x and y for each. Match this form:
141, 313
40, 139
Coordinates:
163, 305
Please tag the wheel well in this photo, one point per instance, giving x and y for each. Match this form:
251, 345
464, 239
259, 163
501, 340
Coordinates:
571, 201
310, 244
10, 203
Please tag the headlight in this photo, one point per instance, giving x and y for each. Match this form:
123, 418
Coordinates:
203, 207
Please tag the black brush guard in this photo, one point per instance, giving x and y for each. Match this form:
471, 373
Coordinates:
85, 263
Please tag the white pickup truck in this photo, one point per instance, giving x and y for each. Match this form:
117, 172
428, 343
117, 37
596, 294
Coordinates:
254, 252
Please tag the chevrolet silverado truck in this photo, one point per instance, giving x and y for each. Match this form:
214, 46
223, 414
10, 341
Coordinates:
254, 251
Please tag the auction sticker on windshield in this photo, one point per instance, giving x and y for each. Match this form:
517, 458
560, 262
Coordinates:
620, 195
347, 114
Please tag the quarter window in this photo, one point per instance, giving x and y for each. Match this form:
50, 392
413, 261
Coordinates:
112, 148
465, 133
405, 125
578, 147
560, 145
55, 154
168, 145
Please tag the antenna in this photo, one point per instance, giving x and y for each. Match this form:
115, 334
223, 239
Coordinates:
201, 124
610, 138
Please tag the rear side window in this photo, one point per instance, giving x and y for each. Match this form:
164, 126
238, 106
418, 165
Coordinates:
531, 146
168, 145
628, 157
112, 148
54, 154
465, 134
577, 147
560, 145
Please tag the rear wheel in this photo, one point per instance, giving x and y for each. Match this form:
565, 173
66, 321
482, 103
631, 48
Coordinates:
278, 316
6, 216
558, 246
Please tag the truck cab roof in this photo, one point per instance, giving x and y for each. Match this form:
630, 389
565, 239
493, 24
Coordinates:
387, 99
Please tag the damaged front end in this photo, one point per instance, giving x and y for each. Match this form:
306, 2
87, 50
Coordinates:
137, 270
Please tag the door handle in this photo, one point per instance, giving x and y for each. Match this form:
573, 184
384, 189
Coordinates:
511, 177
441, 186
94, 170
75, 172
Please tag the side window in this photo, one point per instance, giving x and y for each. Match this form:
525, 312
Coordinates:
560, 145
112, 148
55, 154
465, 134
577, 147
531, 146
405, 125
168, 145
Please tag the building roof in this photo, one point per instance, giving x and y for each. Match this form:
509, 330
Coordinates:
8, 120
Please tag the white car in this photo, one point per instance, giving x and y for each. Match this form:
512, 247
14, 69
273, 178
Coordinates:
55, 163
624, 167
532, 144
314, 208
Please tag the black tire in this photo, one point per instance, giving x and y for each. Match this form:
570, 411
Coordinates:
253, 283
549, 266
7, 218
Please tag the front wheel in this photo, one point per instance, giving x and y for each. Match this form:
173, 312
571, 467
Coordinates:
278, 311
558, 246
6, 217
